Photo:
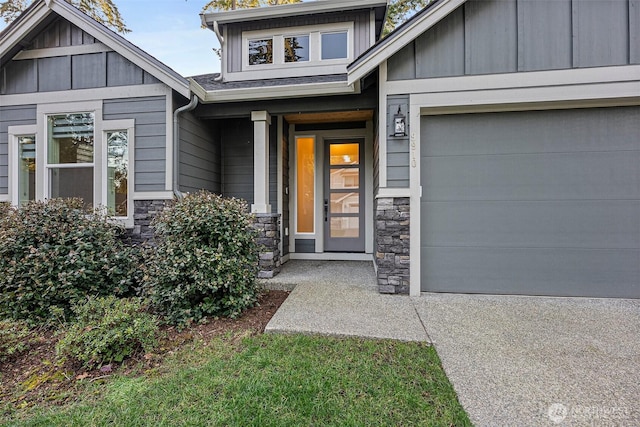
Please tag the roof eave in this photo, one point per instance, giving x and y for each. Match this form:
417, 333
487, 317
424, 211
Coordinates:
283, 11
273, 92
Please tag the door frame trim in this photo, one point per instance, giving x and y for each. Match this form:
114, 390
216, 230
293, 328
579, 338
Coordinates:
364, 133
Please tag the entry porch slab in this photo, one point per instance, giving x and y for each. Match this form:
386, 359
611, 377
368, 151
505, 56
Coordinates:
341, 298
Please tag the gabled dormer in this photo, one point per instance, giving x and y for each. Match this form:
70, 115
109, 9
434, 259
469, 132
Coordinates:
305, 39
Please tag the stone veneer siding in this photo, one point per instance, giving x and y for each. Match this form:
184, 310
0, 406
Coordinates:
144, 212
392, 244
268, 228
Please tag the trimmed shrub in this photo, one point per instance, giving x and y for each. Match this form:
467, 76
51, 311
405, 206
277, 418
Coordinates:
206, 259
55, 253
15, 338
108, 329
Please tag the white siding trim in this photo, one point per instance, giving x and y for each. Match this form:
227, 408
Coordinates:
393, 192
77, 95
62, 51
382, 126
625, 93
273, 92
152, 195
168, 176
533, 79
416, 193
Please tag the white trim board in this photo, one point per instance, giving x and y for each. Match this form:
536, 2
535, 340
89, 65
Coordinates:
273, 92
94, 94
625, 93
307, 8
528, 79
62, 51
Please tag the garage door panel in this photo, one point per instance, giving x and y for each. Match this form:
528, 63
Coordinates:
532, 202
551, 131
557, 176
532, 271
558, 224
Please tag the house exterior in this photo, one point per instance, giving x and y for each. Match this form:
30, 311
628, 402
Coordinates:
484, 146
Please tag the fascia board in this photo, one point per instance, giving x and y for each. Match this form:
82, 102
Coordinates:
122, 46
275, 92
15, 34
320, 6
366, 65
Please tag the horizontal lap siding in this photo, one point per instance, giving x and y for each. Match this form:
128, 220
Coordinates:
503, 36
542, 202
149, 114
11, 116
200, 165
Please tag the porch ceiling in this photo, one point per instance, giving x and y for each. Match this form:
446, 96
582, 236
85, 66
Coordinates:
330, 117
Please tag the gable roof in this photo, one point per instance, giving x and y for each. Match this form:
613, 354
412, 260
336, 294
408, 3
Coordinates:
400, 37
43, 12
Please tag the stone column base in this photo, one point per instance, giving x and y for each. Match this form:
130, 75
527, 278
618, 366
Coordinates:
143, 213
268, 228
392, 244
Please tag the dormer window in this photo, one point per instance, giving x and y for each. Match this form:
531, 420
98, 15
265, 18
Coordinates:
261, 51
296, 48
334, 45
313, 49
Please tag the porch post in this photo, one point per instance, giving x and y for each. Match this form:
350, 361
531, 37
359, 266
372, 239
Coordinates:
261, 122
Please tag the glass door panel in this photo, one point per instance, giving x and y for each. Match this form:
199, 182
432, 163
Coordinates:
343, 193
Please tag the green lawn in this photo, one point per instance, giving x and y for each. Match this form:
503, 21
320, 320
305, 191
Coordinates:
273, 380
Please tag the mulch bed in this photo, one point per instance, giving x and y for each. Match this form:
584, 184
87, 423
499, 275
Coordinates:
35, 377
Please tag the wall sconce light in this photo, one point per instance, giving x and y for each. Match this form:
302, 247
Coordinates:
399, 123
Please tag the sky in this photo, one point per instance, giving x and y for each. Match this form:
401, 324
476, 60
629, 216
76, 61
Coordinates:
170, 30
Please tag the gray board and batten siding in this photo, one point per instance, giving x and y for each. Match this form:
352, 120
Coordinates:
149, 114
200, 154
503, 36
237, 160
22, 115
535, 202
362, 32
57, 73
397, 147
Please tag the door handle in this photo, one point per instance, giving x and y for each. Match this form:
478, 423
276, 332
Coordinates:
326, 209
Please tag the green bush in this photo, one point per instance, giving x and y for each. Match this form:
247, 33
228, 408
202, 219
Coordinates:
55, 253
206, 259
15, 337
108, 329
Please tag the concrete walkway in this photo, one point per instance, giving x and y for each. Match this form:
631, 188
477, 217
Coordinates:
512, 360
341, 298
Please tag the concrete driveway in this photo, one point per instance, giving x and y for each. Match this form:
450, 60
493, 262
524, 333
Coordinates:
517, 361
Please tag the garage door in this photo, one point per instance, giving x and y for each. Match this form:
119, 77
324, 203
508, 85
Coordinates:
533, 203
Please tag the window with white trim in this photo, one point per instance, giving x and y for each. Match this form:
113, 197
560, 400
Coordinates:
70, 156
310, 46
72, 152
